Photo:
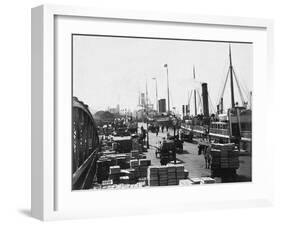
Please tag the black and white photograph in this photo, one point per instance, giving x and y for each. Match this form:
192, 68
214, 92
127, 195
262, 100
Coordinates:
150, 112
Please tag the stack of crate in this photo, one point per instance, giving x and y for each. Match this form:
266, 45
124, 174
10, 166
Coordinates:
172, 176
180, 172
233, 159
195, 180
131, 174
186, 174
124, 180
185, 182
226, 150
114, 174
135, 154
145, 162
107, 182
207, 180
215, 159
133, 177
152, 176
143, 165
163, 175
142, 156
142, 180
134, 164
114, 170
224, 156
102, 170
122, 162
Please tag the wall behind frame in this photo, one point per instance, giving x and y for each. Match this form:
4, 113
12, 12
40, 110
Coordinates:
15, 112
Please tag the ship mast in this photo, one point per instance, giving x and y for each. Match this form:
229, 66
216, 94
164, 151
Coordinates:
195, 109
231, 78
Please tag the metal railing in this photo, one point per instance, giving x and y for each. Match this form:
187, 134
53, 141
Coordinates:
83, 177
219, 131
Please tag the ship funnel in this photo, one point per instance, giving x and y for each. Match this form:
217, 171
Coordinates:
205, 99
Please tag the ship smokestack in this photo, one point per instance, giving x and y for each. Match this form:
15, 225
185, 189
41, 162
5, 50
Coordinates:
205, 99
187, 109
183, 110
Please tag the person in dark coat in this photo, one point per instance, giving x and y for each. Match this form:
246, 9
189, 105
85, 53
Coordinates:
157, 130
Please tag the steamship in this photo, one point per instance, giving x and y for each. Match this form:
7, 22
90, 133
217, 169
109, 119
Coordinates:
233, 126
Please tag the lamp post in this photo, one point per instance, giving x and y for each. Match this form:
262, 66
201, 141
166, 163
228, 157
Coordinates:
157, 107
147, 139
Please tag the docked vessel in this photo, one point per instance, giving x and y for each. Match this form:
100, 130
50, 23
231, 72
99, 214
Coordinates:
234, 125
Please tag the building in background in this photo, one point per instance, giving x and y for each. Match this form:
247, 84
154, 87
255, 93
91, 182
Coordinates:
142, 100
162, 105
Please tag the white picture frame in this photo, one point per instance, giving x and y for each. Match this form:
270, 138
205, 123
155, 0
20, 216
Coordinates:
49, 198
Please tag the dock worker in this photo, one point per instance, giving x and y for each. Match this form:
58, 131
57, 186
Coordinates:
157, 129
143, 133
208, 156
164, 160
162, 128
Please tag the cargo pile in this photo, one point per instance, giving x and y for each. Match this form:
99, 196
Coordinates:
140, 166
172, 175
135, 154
185, 182
134, 163
120, 186
102, 170
121, 168
224, 156
207, 180
143, 166
181, 173
125, 180
106, 161
114, 174
152, 176
123, 144
165, 175
194, 181
130, 176
122, 162
107, 182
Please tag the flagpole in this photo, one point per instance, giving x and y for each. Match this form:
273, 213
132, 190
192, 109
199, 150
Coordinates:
168, 91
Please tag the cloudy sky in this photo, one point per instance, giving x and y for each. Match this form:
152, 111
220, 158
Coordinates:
112, 70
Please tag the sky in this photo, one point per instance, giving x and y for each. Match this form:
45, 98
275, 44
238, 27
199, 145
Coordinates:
111, 70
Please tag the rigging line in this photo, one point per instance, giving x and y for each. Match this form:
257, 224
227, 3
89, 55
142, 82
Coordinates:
243, 86
245, 89
171, 101
212, 106
200, 101
189, 97
227, 75
222, 80
239, 88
